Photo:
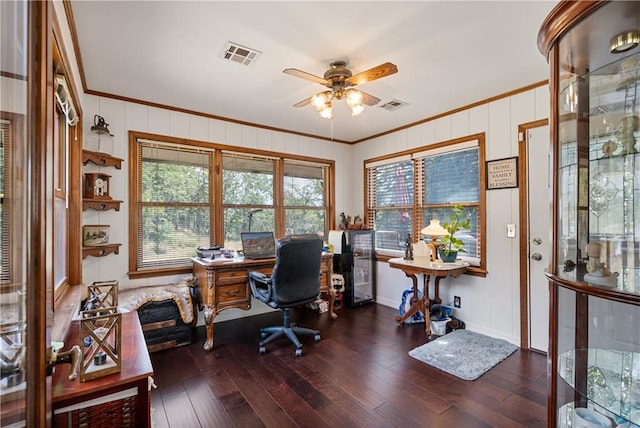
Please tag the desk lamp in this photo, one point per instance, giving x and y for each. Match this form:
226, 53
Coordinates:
435, 231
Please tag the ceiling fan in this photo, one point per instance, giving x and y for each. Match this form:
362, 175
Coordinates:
340, 81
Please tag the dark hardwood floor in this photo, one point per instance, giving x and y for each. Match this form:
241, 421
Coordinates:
358, 375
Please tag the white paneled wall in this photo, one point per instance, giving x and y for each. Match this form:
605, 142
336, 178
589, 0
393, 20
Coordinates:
123, 117
490, 305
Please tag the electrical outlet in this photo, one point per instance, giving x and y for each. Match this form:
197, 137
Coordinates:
456, 301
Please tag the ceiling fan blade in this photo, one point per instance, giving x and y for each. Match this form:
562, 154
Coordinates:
374, 73
304, 75
369, 100
303, 103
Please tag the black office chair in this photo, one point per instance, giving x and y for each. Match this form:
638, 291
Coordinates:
295, 281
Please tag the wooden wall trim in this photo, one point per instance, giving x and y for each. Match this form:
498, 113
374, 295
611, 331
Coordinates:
61, 64
209, 116
303, 134
74, 39
458, 110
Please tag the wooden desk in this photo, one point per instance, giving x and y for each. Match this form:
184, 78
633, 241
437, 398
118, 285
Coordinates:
224, 284
418, 266
72, 397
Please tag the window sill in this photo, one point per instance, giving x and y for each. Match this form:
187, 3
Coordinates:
160, 272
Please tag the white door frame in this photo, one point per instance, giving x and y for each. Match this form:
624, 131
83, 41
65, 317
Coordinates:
523, 174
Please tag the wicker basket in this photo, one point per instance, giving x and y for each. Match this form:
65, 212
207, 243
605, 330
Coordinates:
113, 414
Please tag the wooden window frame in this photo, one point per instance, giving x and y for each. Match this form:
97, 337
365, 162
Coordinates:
417, 155
215, 183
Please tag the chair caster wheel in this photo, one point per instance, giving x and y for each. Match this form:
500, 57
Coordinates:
262, 350
316, 338
298, 352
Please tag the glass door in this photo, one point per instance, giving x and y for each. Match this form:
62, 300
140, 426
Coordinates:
363, 274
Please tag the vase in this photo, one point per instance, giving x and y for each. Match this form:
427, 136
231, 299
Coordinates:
448, 258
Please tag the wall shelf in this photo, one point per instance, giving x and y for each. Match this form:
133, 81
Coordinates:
101, 159
100, 250
101, 204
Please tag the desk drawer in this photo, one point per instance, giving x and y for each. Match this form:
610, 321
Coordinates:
234, 276
232, 293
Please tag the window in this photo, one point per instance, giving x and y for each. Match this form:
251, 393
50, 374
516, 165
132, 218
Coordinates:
189, 194
173, 212
391, 199
444, 185
405, 191
65, 119
5, 200
12, 201
305, 198
247, 196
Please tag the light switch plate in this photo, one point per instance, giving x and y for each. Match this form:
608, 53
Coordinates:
511, 230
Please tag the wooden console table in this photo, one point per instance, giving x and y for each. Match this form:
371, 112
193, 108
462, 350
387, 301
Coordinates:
110, 399
425, 267
224, 284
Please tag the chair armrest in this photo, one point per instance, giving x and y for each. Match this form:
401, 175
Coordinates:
259, 276
260, 286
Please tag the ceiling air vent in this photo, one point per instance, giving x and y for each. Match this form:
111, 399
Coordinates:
240, 54
393, 105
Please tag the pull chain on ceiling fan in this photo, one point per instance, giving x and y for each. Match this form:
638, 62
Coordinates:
340, 82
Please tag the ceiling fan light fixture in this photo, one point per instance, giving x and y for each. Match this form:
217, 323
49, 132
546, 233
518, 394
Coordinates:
320, 100
357, 109
327, 111
354, 98
340, 80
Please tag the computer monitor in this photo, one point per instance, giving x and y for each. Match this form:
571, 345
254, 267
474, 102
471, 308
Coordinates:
258, 245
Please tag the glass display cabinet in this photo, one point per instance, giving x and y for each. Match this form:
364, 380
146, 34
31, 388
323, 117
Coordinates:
357, 265
594, 274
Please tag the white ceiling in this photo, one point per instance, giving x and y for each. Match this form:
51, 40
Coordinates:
449, 54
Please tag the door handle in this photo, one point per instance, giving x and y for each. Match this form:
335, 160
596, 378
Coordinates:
537, 241
536, 256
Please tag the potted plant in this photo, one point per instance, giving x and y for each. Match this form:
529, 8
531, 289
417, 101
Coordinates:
450, 246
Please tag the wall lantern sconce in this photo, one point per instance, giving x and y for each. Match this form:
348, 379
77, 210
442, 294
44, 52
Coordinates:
100, 139
100, 126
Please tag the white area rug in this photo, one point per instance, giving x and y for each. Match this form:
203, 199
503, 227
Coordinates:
464, 353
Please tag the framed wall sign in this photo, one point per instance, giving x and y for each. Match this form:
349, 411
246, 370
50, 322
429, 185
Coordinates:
502, 173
